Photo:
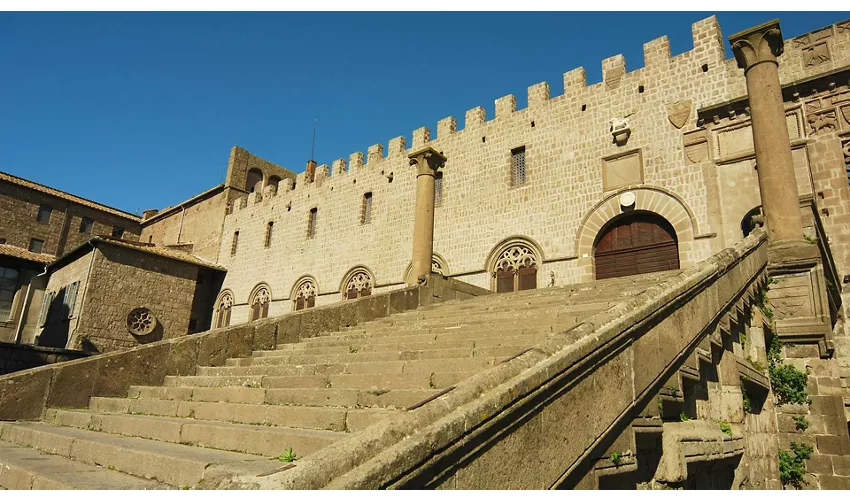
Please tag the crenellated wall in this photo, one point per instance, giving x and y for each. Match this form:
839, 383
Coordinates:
575, 172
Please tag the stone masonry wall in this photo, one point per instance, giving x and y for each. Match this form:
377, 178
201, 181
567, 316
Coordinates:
58, 327
199, 224
124, 279
575, 174
18, 225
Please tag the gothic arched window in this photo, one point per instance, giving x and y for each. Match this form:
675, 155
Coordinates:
304, 294
515, 268
358, 283
260, 298
223, 308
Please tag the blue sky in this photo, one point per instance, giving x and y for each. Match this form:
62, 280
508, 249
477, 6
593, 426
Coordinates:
140, 110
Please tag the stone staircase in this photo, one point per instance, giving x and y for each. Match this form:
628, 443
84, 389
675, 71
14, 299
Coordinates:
302, 396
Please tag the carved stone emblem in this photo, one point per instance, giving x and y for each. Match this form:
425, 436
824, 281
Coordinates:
696, 146
845, 112
820, 122
678, 112
846, 149
815, 55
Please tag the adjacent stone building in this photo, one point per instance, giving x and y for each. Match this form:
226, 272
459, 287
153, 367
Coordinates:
111, 294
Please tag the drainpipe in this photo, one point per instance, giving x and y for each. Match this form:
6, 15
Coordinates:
19, 331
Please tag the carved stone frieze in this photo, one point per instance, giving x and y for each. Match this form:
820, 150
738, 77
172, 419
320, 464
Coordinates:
815, 55
696, 146
845, 113
845, 147
678, 112
824, 121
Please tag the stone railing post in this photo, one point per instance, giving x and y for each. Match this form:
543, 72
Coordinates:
426, 160
756, 50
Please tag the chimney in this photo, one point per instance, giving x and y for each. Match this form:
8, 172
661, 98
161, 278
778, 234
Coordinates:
147, 214
310, 172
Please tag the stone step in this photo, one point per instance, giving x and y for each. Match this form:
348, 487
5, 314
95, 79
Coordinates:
301, 348
539, 323
252, 439
353, 368
302, 417
169, 463
28, 469
343, 355
399, 398
444, 335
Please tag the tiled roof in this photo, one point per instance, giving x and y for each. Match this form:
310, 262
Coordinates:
66, 196
20, 253
161, 251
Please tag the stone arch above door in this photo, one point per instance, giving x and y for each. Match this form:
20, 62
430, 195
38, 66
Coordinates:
648, 199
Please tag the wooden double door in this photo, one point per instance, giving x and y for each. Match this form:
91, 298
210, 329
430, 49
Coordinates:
636, 244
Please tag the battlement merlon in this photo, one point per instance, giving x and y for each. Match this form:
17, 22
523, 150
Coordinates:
338, 167
374, 154
421, 136
656, 53
505, 106
396, 147
355, 161
475, 117
538, 94
446, 127
575, 81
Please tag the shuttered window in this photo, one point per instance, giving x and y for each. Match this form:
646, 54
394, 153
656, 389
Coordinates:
312, 220
234, 243
504, 281
45, 308
86, 225
518, 166
8, 286
70, 298
44, 212
268, 240
366, 209
527, 278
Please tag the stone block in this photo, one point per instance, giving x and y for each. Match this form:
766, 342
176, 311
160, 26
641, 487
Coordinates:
372, 307
23, 396
183, 356
819, 464
265, 336
841, 465
833, 445
73, 383
289, 329
139, 366
347, 314
834, 482
317, 321
403, 300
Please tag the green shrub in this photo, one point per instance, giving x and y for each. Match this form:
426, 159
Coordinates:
725, 428
788, 383
288, 456
792, 465
801, 423
616, 458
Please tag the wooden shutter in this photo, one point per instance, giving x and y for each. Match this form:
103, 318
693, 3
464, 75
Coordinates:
504, 281
264, 310
351, 294
527, 278
366, 291
226, 317
311, 301
255, 311
299, 303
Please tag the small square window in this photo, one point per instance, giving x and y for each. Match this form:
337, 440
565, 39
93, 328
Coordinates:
86, 225
36, 245
117, 232
44, 212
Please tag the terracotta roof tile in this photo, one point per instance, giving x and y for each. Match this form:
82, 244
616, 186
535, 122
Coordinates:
66, 196
161, 251
20, 253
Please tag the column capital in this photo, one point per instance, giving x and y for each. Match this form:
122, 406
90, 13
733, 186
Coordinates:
762, 43
426, 160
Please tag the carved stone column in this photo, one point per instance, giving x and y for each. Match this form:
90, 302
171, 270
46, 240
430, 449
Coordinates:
756, 50
427, 161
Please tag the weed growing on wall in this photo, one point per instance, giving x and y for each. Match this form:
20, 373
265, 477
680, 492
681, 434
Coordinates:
801, 423
788, 382
792, 465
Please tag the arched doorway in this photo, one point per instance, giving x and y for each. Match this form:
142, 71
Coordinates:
635, 243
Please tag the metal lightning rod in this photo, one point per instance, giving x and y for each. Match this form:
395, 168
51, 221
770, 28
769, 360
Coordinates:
313, 147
